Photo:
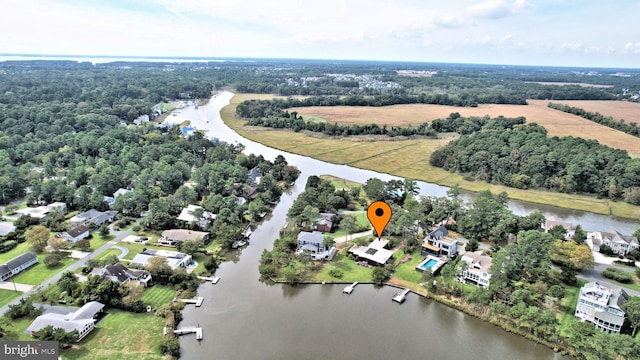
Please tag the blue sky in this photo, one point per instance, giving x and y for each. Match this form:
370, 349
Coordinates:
526, 32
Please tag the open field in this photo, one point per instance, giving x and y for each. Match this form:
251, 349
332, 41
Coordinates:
158, 295
629, 111
558, 123
7, 295
409, 158
39, 272
569, 83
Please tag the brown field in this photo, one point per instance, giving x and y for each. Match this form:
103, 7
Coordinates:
558, 123
569, 83
629, 111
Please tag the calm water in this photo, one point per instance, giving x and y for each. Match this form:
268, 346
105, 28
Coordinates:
244, 318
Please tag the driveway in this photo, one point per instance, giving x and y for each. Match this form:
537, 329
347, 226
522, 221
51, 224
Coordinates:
77, 265
9, 285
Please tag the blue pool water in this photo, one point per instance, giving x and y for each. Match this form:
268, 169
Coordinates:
428, 264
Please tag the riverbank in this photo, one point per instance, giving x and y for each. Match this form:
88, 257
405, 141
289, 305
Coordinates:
406, 158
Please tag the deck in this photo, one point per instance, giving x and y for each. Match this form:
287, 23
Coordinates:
214, 280
349, 289
197, 301
400, 296
189, 330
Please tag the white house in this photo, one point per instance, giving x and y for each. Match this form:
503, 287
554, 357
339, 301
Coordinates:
41, 211
174, 259
620, 244
312, 243
82, 319
477, 268
76, 234
17, 265
437, 243
600, 305
93, 216
553, 221
187, 216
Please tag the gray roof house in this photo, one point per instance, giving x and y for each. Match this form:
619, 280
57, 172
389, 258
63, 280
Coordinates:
82, 319
312, 242
174, 259
76, 234
121, 274
600, 305
17, 265
94, 216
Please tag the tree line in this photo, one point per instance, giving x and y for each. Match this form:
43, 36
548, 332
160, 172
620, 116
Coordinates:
609, 121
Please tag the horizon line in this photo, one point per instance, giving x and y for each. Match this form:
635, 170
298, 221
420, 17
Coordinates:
210, 58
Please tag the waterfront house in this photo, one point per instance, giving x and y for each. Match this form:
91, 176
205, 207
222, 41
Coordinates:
477, 268
76, 234
619, 244
187, 215
324, 222
174, 236
600, 305
255, 176
121, 274
553, 221
437, 243
313, 243
83, 319
17, 265
174, 259
375, 253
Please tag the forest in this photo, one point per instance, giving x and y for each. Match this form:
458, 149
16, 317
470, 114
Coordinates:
525, 157
629, 128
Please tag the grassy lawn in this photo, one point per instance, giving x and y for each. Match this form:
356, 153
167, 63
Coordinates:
135, 249
157, 295
407, 271
214, 245
568, 305
14, 328
107, 237
351, 271
410, 158
361, 222
115, 252
38, 273
121, 335
7, 295
18, 250
634, 285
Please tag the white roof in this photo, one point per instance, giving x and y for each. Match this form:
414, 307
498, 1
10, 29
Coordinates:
187, 214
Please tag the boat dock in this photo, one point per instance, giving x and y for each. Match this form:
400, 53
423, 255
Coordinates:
198, 301
400, 296
349, 289
189, 330
213, 280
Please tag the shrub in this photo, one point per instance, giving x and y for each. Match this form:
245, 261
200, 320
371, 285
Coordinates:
136, 228
336, 273
604, 249
170, 346
8, 245
617, 275
52, 260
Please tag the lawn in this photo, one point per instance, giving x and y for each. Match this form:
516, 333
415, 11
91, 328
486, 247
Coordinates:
121, 335
18, 250
351, 271
158, 295
115, 252
407, 271
7, 295
135, 249
568, 305
38, 273
361, 222
634, 285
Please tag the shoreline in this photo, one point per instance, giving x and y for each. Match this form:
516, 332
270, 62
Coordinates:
566, 201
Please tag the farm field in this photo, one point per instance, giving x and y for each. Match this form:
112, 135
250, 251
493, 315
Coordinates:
629, 111
556, 122
569, 83
409, 158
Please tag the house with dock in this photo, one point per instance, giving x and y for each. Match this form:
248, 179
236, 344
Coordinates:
601, 306
475, 269
174, 236
17, 265
375, 253
313, 244
122, 274
195, 213
174, 259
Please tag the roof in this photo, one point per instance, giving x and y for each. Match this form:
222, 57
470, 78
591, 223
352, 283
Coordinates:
616, 237
374, 252
6, 227
553, 221
121, 191
66, 318
118, 271
609, 317
4, 270
187, 214
184, 235
78, 230
439, 232
315, 237
87, 311
477, 261
20, 260
174, 258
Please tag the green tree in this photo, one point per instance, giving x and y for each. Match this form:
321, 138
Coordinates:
52, 260
375, 189
632, 312
192, 246
37, 237
348, 223
380, 274
472, 245
579, 236
558, 232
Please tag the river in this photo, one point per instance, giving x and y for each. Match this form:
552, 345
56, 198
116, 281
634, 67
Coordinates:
244, 318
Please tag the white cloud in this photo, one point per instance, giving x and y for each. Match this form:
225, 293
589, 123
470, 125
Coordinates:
631, 47
496, 9
578, 47
449, 21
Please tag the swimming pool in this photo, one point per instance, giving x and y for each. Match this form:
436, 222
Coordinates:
428, 264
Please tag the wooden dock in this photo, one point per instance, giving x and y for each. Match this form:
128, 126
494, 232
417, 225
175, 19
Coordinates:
400, 296
349, 289
214, 280
198, 301
189, 330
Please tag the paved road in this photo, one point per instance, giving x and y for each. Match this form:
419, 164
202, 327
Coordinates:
124, 250
78, 264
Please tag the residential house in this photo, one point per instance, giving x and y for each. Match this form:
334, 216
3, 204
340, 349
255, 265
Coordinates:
174, 259
41, 211
477, 269
17, 265
375, 253
6, 227
121, 274
313, 243
121, 191
324, 222
553, 221
255, 175
187, 131
619, 244
437, 243
600, 305
76, 234
141, 119
83, 319
187, 215
93, 216
174, 236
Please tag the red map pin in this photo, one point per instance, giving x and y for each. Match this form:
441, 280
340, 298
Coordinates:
379, 214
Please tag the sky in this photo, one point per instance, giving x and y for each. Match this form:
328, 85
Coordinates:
590, 33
